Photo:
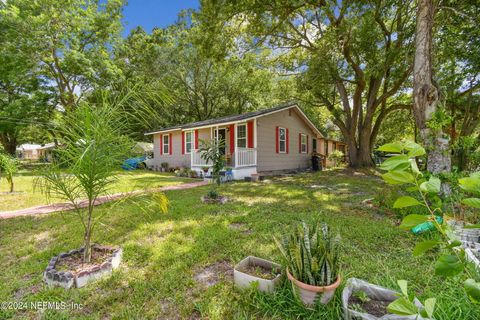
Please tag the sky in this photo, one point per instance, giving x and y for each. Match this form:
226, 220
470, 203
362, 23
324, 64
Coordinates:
154, 13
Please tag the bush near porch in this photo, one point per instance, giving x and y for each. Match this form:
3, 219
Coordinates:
165, 255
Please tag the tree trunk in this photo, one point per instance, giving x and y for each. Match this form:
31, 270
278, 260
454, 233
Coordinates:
9, 143
426, 94
359, 155
87, 253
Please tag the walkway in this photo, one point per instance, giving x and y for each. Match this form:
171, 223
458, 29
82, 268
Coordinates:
64, 206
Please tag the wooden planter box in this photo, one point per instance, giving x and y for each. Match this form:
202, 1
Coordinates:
244, 280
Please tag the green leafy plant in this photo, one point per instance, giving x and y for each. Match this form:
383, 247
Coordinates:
405, 305
362, 296
212, 194
211, 152
311, 254
403, 170
8, 167
336, 157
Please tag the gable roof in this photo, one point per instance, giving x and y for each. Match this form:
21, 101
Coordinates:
238, 118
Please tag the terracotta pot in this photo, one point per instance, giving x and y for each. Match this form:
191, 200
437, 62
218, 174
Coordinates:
310, 294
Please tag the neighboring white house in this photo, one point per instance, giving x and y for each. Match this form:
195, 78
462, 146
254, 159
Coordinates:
275, 139
30, 151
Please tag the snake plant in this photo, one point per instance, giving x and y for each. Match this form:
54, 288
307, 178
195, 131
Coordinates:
311, 254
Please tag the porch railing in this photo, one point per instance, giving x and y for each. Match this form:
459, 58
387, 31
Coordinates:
246, 157
243, 157
197, 159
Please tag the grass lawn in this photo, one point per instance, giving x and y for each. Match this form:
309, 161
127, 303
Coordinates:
26, 195
169, 258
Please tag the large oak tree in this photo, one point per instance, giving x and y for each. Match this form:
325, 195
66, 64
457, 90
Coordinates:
355, 56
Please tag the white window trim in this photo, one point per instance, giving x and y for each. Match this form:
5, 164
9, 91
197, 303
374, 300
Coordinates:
280, 139
166, 144
303, 135
191, 142
246, 135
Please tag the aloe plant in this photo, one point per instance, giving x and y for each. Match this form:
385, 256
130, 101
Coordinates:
311, 254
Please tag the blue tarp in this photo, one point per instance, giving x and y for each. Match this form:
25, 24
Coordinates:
132, 163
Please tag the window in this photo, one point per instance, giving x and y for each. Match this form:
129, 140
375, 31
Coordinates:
282, 140
241, 136
188, 141
326, 147
334, 146
303, 143
166, 144
314, 145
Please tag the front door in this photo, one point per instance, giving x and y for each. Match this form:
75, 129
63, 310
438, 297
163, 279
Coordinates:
222, 135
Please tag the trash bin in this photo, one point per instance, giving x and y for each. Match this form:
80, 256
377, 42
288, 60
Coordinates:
316, 165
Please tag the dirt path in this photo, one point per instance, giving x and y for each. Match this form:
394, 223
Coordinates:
63, 206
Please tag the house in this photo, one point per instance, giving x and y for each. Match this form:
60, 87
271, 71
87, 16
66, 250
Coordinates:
30, 151
271, 140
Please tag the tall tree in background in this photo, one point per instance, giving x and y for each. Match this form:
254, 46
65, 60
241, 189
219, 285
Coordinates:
355, 57
457, 66
207, 77
426, 94
72, 40
25, 99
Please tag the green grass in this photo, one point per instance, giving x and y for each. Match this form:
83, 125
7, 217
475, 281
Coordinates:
164, 252
27, 195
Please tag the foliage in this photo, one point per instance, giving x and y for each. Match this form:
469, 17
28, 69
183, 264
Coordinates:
72, 41
402, 170
405, 305
350, 58
93, 148
8, 167
311, 254
26, 99
211, 152
337, 157
213, 194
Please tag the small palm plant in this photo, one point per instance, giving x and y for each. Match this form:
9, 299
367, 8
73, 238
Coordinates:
311, 254
94, 146
8, 167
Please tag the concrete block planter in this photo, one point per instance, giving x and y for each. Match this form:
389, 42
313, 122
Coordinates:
218, 200
309, 294
379, 296
244, 277
79, 278
473, 255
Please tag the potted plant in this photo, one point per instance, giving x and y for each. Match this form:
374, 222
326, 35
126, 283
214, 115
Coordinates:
363, 300
252, 269
205, 170
315, 276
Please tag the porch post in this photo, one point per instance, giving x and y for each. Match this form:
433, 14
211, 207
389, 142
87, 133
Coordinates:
255, 139
235, 141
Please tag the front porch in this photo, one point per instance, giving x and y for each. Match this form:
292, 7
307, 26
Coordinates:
240, 148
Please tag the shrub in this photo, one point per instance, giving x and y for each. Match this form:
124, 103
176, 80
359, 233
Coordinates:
8, 167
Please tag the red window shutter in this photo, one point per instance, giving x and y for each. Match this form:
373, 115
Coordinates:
161, 145
196, 139
170, 144
277, 138
183, 142
232, 138
299, 143
250, 134
287, 140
